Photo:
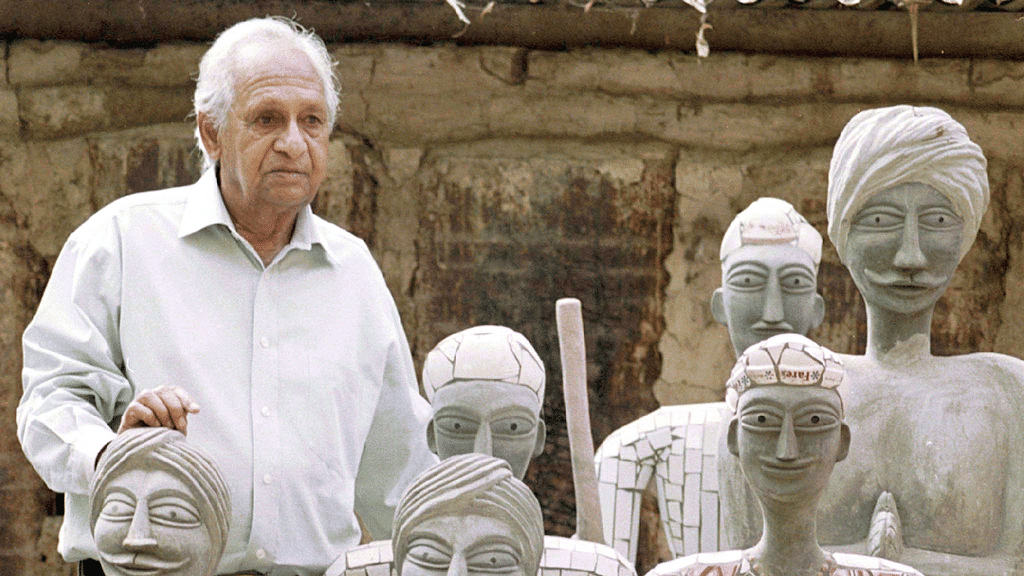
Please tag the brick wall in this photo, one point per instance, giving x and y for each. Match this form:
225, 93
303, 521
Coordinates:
490, 182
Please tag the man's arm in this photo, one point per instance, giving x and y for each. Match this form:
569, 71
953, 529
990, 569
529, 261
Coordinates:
396, 446
74, 385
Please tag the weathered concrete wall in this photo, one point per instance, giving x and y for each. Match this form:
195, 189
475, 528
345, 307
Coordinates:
491, 181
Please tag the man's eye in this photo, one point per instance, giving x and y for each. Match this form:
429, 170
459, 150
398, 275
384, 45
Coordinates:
746, 281
117, 507
429, 556
496, 560
456, 426
173, 514
939, 219
880, 219
512, 426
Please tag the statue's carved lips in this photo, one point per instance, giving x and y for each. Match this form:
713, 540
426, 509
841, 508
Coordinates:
140, 565
762, 329
914, 283
771, 466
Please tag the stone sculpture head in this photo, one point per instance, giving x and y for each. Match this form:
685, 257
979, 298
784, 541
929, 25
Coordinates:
468, 515
158, 505
906, 195
770, 257
486, 387
787, 430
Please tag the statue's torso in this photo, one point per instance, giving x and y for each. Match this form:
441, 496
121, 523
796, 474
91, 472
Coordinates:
939, 435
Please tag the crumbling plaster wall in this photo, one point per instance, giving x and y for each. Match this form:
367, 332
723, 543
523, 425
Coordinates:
491, 181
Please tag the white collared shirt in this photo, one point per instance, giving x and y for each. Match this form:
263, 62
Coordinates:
308, 395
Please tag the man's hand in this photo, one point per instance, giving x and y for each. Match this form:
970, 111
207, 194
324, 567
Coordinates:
163, 406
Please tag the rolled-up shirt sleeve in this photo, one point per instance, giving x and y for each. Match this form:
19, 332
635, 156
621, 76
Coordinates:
73, 378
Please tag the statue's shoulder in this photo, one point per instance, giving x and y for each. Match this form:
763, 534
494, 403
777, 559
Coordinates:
1003, 366
726, 563
856, 564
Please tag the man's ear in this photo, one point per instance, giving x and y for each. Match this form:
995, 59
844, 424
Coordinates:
542, 435
209, 135
844, 442
732, 438
718, 308
431, 439
819, 311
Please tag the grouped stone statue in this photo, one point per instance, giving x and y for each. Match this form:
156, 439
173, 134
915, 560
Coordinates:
467, 515
770, 256
485, 386
787, 432
933, 477
159, 506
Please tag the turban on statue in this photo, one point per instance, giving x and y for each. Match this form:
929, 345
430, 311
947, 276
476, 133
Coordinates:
885, 147
784, 360
471, 484
166, 449
771, 221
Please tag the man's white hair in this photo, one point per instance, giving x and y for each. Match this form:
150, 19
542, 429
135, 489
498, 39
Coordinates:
215, 86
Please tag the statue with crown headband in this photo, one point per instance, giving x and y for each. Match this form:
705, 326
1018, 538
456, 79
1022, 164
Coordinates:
786, 430
770, 256
933, 477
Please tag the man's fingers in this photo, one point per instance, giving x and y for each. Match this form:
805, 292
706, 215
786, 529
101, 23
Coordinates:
174, 407
186, 400
138, 415
163, 406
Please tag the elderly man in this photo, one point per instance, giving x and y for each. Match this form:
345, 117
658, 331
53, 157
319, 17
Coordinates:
942, 435
231, 297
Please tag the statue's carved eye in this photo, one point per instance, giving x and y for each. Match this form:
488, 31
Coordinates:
174, 511
499, 558
118, 507
455, 425
512, 426
815, 419
429, 554
761, 419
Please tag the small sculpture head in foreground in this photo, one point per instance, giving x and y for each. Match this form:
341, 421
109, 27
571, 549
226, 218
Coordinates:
468, 515
907, 191
159, 506
770, 257
486, 387
788, 433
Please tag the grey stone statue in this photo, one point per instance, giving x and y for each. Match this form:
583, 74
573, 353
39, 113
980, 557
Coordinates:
786, 429
934, 477
468, 515
770, 256
486, 387
159, 506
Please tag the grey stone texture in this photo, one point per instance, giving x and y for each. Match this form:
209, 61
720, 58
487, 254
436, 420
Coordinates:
491, 181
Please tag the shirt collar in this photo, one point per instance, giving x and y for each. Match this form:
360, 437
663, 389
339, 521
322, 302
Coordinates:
205, 207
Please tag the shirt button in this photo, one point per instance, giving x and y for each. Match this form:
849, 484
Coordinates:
267, 478
265, 342
261, 553
265, 410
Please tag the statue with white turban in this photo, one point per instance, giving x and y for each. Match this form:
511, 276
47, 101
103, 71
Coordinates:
159, 506
936, 471
786, 431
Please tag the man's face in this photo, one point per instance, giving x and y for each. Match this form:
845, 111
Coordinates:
788, 438
273, 147
903, 248
150, 524
487, 417
766, 290
463, 545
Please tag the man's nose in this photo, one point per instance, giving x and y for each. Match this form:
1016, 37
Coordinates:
291, 142
482, 444
910, 255
139, 533
773, 311
787, 447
